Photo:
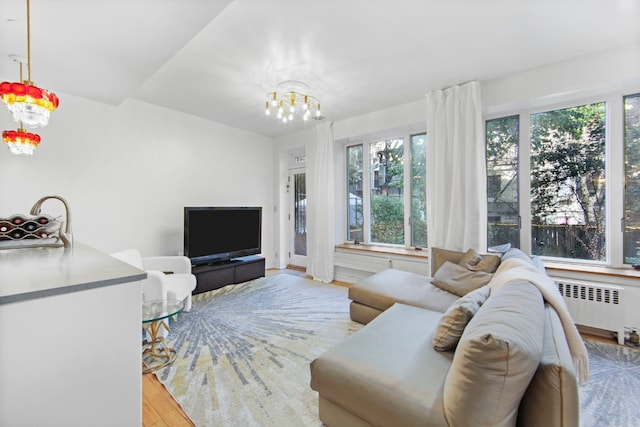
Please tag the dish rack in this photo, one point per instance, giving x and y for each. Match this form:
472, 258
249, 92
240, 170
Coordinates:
36, 230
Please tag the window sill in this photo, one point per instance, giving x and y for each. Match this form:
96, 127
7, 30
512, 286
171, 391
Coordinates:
625, 272
418, 253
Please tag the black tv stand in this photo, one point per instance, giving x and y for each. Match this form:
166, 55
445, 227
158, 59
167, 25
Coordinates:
235, 270
220, 262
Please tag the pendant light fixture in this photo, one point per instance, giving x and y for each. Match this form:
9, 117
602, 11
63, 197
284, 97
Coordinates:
292, 99
20, 141
30, 105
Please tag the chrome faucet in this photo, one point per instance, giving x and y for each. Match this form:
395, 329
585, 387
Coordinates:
65, 235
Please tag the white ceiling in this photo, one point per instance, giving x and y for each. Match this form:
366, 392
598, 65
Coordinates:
217, 59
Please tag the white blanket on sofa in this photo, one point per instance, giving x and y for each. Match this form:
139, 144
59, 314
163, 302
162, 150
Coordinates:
516, 270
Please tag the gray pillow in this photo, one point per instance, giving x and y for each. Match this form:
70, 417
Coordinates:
455, 319
499, 248
516, 253
473, 261
458, 280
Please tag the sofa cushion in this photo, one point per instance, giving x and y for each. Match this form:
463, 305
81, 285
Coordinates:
389, 286
496, 358
363, 313
455, 319
473, 261
458, 280
387, 373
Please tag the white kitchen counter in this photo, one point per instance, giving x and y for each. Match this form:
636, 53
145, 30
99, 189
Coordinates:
70, 338
38, 272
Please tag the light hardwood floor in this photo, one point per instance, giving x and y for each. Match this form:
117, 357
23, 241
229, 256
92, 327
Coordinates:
159, 408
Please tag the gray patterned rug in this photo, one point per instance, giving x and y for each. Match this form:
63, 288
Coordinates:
611, 397
244, 354
244, 351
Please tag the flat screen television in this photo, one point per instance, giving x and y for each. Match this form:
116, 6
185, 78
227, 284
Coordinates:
218, 234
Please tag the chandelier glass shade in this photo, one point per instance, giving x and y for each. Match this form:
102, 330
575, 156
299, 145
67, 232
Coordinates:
20, 141
27, 103
290, 101
30, 105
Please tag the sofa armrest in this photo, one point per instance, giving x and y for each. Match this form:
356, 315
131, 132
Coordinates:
168, 264
552, 398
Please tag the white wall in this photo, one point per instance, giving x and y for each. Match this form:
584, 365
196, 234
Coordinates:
128, 171
611, 71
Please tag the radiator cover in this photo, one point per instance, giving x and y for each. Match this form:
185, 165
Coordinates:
595, 305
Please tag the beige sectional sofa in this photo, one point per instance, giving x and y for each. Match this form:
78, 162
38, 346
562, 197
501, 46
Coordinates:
509, 362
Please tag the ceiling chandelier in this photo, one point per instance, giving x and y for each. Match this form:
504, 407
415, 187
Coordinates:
30, 105
292, 100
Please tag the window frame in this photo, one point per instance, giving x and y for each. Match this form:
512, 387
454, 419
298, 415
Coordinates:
406, 136
623, 222
614, 170
517, 169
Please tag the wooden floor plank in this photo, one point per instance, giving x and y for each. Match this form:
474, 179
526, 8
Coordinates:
159, 408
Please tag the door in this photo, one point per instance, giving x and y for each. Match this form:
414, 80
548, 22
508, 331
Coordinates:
297, 217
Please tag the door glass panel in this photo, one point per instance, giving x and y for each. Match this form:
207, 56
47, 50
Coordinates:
300, 214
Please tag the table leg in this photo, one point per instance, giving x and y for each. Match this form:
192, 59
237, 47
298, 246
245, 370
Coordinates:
156, 353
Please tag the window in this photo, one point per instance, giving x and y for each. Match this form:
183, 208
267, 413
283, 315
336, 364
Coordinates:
386, 166
566, 154
419, 190
376, 200
503, 216
631, 239
568, 215
355, 213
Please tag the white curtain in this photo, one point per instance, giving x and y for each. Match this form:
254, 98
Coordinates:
456, 169
321, 207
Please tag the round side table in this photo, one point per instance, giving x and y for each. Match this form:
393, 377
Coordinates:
156, 353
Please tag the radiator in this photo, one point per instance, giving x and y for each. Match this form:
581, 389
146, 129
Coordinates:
595, 305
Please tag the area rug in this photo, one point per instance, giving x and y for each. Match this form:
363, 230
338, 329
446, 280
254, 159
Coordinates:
244, 353
611, 397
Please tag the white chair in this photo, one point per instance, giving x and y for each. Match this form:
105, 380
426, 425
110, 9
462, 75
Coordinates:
168, 277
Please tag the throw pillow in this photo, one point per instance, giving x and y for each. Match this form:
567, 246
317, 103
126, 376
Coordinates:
500, 249
439, 256
455, 319
458, 280
516, 253
473, 261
